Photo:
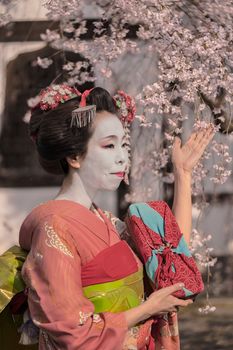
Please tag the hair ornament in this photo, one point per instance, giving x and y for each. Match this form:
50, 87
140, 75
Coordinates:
52, 96
127, 112
83, 101
82, 116
126, 106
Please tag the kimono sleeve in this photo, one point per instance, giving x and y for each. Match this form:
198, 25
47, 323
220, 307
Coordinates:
56, 302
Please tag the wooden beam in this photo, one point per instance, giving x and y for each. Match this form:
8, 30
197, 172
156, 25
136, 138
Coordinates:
25, 31
20, 31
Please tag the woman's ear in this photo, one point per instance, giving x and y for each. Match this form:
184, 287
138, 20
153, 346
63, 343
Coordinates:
73, 161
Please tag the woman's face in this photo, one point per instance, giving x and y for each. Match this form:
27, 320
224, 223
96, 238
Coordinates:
106, 160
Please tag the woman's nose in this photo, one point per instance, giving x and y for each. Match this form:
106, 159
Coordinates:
121, 157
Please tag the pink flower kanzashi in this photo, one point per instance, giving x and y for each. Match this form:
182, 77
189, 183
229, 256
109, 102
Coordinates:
126, 105
53, 95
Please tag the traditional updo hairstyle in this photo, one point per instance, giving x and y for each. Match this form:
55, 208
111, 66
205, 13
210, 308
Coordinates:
54, 137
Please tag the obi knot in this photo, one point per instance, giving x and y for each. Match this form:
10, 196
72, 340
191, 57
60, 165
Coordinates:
165, 260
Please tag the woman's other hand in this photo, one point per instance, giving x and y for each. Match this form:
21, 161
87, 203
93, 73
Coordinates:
162, 301
185, 157
158, 303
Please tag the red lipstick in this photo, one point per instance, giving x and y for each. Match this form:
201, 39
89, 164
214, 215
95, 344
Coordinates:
120, 174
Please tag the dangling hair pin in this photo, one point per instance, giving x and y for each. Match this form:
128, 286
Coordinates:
126, 113
82, 116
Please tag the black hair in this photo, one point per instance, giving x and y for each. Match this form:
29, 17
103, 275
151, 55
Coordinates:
54, 137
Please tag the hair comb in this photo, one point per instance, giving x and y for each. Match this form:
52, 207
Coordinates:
82, 116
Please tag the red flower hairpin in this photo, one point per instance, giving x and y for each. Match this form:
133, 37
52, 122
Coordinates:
52, 96
126, 105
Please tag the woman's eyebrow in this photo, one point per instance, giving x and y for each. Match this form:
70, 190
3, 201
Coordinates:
112, 137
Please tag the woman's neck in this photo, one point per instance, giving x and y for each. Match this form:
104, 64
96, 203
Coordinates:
74, 190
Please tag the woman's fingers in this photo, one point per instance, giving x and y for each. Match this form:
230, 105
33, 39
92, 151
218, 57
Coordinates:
192, 137
199, 137
174, 300
205, 141
198, 145
177, 142
183, 303
163, 300
171, 289
194, 141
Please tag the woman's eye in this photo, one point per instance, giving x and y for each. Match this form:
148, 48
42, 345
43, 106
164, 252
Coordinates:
111, 145
125, 145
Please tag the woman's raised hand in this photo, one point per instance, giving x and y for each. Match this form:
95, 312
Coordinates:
162, 301
185, 157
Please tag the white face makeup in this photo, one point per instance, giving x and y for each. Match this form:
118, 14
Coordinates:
105, 162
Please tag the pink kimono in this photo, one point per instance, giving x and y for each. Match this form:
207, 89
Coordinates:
71, 247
